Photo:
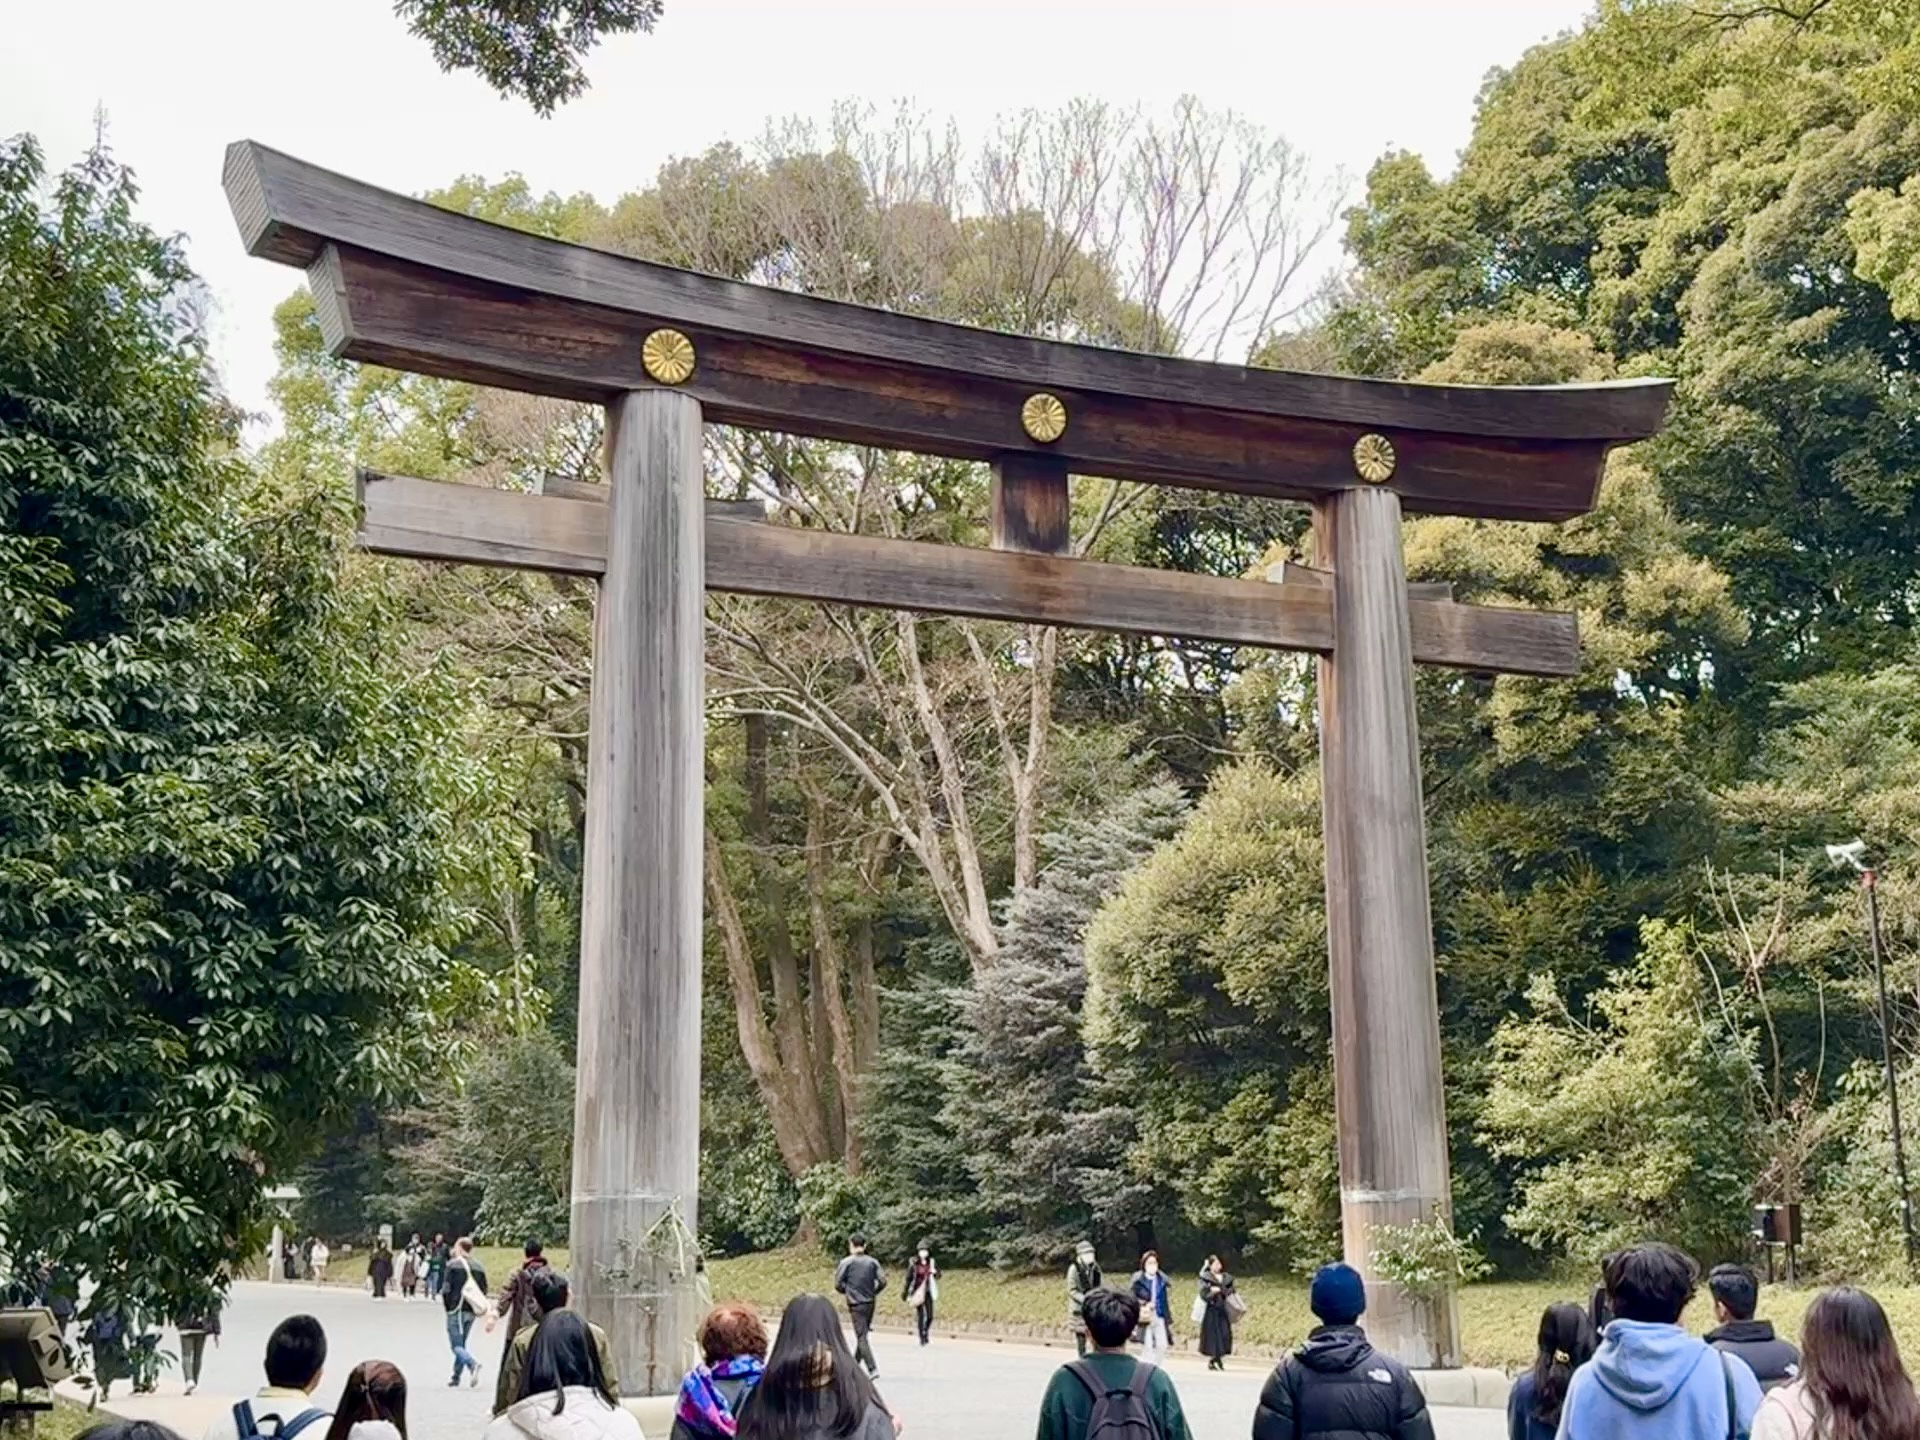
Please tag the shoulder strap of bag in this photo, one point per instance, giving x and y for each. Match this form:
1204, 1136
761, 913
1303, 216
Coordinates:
1733, 1409
291, 1428
243, 1422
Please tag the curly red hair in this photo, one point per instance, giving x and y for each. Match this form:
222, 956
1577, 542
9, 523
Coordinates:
731, 1330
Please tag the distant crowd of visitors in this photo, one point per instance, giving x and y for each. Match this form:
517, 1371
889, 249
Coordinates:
1620, 1368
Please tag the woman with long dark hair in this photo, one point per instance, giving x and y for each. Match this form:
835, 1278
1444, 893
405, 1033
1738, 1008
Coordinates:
1852, 1385
812, 1389
564, 1394
1216, 1316
373, 1406
1566, 1343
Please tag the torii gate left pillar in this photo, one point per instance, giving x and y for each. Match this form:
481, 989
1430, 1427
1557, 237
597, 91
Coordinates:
636, 1185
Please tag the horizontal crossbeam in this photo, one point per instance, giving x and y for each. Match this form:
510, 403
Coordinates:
402, 283
472, 524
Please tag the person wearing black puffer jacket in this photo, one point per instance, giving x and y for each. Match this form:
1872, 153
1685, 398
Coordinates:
1337, 1386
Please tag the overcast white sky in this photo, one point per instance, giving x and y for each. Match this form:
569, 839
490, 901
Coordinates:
341, 83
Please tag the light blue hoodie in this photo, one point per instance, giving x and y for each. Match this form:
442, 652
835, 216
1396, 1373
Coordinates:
1657, 1382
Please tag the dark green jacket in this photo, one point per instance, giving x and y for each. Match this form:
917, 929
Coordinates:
1068, 1406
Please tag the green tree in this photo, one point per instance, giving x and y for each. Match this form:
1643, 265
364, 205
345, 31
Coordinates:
529, 48
1717, 193
1206, 1006
1046, 1136
228, 833
1631, 1120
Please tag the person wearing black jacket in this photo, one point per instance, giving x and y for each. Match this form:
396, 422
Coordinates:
1337, 1386
1736, 1295
861, 1280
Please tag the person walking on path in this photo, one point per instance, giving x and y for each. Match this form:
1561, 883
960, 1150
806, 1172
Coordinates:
1852, 1384
195, 1327
516, 1303
436, 1266
1083, 1277
922, 1288
861, 1280
373, 1406
1566, 1343
106, 1338
463, 1291
1650, 1379
317, 1258
812, 1388
1216, 1317
1156, 1310
1122, 1396
733, 1350
410, 1270
1337, 1384
551, 1292
564, 1394
1736, 1295
296, 1359
380, 1269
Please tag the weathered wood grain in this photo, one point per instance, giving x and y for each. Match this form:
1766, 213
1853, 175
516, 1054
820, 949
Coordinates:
438, 520
636, 1147
1028, 505
387, 312
1291, 572
410, 285
1388, 1098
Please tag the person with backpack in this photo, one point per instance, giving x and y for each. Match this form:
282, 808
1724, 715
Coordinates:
283, 1408
1083, 1278
1337, 1385
463, 1291
1650, 1379
517, 1304
1109, 1395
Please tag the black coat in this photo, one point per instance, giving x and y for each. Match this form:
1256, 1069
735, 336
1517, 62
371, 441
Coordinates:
1338, 1387
1774, 1361
1216, 1325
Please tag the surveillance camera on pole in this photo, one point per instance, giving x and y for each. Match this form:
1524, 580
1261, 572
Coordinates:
1854, 853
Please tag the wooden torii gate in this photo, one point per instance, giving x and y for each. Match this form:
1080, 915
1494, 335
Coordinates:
401, 283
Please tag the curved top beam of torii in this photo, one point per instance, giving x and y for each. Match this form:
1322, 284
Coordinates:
402, 283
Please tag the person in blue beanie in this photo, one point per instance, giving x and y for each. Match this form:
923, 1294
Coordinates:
1650, 1379
1337, 1385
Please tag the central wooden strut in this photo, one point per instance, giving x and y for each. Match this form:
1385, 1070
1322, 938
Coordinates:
401, 283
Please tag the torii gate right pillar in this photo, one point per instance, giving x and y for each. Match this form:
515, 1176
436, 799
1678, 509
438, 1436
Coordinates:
1389, 1102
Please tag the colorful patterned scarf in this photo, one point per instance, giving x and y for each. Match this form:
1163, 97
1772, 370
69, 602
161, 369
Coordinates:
702, 1408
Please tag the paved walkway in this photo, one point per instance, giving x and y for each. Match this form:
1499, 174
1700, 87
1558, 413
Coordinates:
952, 1390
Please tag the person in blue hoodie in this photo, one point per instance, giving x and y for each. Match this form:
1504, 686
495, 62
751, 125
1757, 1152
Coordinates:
1650, 1379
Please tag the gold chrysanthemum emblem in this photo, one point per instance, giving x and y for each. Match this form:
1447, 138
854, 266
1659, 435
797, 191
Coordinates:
667, 356
1373, 458
1044, 417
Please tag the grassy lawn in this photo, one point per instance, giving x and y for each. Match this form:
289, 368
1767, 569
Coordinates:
64, 1422
1499, 1320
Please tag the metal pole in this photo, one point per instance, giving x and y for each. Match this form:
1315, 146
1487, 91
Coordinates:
1886, 1053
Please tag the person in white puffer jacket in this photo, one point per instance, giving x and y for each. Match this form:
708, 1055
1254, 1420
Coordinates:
564, 1394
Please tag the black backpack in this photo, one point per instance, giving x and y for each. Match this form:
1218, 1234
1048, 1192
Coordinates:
1118, 1414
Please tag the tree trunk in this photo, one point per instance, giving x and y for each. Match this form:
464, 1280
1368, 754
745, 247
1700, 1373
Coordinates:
789, 1000
757, 1045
